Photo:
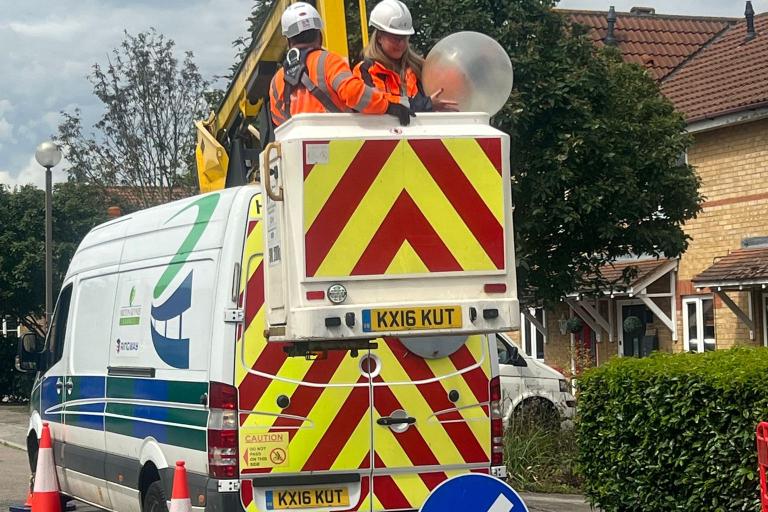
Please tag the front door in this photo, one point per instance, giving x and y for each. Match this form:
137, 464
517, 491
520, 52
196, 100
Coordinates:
585, 355
633, 318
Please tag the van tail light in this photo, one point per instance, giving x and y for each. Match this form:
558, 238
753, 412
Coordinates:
497, 425
222, 431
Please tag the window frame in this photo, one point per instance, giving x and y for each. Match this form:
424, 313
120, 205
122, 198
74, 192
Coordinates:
57, 333
698, 300
528, 329
765, 319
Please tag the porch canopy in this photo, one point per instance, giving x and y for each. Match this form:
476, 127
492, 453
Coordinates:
743, 270
653, 282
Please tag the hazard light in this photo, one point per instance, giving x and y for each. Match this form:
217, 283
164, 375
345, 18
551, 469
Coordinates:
222, 431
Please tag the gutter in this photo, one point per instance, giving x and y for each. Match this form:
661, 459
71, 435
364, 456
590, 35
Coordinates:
730, 117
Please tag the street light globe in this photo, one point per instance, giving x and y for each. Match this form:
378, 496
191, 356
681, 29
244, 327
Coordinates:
48, 154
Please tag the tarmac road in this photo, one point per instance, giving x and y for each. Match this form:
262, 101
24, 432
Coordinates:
14, 471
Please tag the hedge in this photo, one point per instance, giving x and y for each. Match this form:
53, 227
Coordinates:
673, 432
14, 386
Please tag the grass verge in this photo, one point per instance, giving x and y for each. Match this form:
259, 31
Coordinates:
541, 457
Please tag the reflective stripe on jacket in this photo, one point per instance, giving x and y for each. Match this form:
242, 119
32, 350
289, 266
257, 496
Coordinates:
332, 75
375, 74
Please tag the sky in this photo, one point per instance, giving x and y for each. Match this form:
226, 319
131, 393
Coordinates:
47, 48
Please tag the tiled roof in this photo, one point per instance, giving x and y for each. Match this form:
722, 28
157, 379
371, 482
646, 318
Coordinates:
728, 76
657, 41
613, 272
743, 266
134, 198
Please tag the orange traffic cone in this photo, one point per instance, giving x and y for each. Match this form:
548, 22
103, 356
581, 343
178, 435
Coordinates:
45, 496
180, 495
27, 506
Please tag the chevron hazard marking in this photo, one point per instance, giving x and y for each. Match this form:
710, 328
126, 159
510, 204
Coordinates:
442, 200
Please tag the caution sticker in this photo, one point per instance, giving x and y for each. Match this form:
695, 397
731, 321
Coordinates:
264, 450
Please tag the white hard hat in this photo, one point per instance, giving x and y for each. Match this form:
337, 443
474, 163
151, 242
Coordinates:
392, 16
300, 17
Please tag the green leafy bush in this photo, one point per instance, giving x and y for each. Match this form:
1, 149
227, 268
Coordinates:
673, 432
14, 386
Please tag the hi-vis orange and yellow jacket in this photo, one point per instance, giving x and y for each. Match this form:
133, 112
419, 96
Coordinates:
330, 78
377, 75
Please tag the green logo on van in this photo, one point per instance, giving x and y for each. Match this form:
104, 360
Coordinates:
175, 350
130, 314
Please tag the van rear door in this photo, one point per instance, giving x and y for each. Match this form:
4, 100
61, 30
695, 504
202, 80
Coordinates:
431, 417
304, 425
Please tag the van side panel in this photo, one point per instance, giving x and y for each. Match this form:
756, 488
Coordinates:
158, 369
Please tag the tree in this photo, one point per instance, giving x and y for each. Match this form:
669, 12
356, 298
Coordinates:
76, 209
259, 14
595, 147
146, 137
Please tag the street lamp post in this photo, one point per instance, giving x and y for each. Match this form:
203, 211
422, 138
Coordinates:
48, 155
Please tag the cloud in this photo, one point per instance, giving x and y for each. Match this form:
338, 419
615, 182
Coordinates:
33, 174
6, 128
48, 49
54, 29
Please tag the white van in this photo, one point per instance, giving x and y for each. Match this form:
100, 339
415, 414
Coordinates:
156, 353
529, 386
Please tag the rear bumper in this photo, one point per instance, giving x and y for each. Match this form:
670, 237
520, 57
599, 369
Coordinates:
217, 501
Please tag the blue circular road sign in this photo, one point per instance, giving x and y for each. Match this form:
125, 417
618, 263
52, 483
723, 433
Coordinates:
474, 492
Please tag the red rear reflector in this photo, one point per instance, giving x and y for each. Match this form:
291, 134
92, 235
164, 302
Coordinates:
497, 425
495, 386
316, 295
495, 287
222, 396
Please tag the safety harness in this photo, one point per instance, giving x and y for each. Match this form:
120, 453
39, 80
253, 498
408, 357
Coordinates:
296, 75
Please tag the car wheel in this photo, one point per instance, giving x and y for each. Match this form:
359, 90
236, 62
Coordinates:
536, 412
154, 499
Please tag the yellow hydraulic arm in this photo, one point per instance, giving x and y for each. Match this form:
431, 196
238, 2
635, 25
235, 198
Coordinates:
220, 138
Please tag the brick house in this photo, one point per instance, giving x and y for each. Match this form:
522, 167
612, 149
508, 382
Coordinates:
715, 295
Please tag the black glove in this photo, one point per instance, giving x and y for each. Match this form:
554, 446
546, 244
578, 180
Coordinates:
401, 112
421, 103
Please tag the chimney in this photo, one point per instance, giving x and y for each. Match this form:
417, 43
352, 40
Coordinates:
610, 38
114, 212
642, 11
749, 12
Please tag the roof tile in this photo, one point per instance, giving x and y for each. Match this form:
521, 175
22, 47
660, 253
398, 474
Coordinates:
658, 42
743, 265
729, 75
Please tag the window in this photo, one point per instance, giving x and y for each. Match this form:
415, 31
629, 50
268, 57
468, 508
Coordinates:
699, 324
533, 339
54, 348
765, 319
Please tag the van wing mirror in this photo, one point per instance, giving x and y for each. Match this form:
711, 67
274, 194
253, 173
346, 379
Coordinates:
515, 358
32, 343
30, 347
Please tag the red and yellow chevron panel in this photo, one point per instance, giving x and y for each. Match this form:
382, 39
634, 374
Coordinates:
330, 421
410, 206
